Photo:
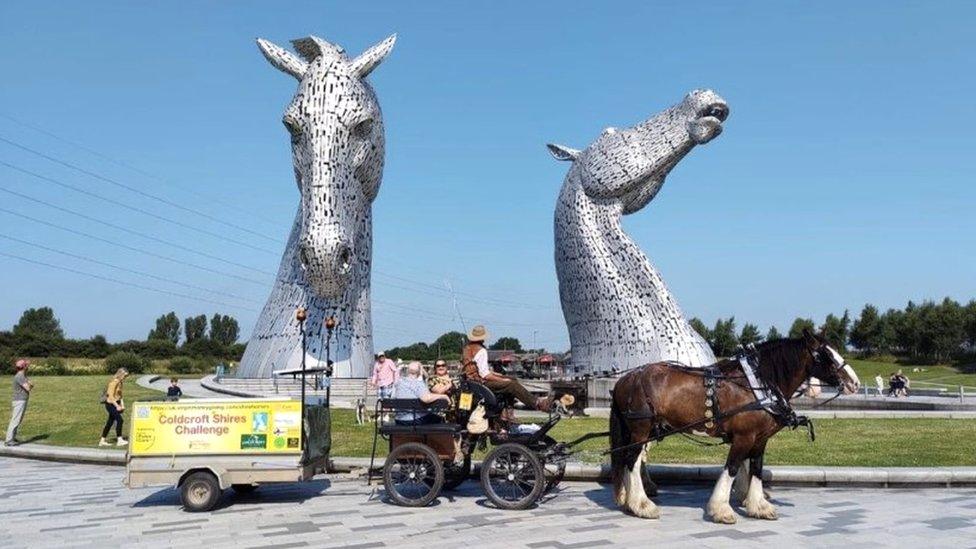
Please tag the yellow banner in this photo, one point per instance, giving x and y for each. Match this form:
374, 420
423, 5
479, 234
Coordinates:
215, 427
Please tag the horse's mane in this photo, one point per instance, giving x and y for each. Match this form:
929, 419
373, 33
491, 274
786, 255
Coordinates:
779, 359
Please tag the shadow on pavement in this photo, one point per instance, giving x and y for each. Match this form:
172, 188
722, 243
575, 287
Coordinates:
292, 492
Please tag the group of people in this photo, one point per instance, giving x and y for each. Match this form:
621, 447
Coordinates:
898, 384
474, 366
111, 399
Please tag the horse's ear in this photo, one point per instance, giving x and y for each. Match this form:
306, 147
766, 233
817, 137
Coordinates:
371, 58
810, 339
560, 152
282, 59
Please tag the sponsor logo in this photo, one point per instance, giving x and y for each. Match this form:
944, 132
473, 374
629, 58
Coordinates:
259, 422
142, 412
254, 441
279, 442
293, 442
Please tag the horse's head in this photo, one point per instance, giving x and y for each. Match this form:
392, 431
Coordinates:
337, 143
828, 366
629, 165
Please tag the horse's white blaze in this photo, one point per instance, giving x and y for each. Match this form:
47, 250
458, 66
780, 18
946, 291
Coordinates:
718, 505
852, 383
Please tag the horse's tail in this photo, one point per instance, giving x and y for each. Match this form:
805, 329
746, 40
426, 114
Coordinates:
619, 437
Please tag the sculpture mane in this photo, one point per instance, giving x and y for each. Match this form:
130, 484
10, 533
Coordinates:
618, 310
336, 130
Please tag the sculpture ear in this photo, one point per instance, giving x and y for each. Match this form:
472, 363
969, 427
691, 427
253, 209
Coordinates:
282, 59
559, 152
371, 58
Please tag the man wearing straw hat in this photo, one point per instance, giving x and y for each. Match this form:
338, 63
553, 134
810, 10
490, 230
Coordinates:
22, 389
474, 366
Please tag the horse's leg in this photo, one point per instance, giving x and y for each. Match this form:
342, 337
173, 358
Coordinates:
740, 486
756, 504
718, 505
650, 488
635, 498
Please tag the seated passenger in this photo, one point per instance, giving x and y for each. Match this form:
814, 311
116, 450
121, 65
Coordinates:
412, 386
440, 383
474, 366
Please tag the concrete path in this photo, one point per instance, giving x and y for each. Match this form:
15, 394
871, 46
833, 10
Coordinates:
57, 505
191, 387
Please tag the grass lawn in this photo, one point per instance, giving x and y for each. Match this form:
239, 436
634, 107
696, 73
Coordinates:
65, 411
929, 377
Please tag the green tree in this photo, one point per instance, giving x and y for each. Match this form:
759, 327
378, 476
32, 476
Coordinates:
868, 334
39, 322
796, 330
448, 344
167, 329
836, 330
195, 328
224, 329
749, 335
506, 344
773, 334
724, 340
941, 329
702, 330
970, 324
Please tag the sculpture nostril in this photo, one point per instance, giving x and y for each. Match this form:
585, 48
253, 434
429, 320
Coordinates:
345, 254
719, 111
303, 256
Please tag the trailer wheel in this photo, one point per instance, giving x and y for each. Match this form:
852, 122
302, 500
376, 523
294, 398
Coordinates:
200, 492
244, 488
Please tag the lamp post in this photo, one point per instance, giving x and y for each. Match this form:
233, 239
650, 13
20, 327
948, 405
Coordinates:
300, 315
330, 325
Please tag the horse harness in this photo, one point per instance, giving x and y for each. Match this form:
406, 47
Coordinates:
768, 399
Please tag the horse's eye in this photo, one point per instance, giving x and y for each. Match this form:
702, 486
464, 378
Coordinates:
363, 129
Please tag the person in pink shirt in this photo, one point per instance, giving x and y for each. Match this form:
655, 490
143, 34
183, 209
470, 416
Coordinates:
385, 374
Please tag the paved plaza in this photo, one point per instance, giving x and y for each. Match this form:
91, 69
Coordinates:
44, 504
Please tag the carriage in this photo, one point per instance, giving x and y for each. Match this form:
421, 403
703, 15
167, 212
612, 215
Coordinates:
523, 462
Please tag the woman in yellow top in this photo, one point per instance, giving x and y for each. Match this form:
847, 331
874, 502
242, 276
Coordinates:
114, 405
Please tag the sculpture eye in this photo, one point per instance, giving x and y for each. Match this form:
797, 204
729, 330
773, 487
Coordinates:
363, 129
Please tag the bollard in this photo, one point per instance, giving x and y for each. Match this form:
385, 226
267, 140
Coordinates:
962, 394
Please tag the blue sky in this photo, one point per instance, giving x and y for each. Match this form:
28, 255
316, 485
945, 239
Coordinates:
844, 174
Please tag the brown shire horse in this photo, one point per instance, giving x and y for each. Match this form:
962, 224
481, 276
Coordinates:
662, 397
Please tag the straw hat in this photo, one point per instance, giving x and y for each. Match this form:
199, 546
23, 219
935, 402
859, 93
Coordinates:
478, 333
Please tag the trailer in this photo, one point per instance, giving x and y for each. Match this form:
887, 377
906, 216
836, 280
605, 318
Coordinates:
203, 447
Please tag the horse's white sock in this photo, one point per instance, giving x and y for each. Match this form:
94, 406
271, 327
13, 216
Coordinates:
637, 500
718, 505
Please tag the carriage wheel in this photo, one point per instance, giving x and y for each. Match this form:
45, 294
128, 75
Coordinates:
456, 473
512, 476
413, 475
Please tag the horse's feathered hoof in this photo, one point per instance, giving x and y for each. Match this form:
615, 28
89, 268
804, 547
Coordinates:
647, 510
763, 510
722, 514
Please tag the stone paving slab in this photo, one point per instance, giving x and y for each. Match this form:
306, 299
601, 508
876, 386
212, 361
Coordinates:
77, 505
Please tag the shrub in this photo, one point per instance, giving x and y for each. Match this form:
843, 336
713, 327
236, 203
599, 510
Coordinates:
53, 367
132, 362
183, 365
7, 360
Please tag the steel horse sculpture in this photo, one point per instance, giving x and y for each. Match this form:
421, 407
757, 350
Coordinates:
337, 139
618, 310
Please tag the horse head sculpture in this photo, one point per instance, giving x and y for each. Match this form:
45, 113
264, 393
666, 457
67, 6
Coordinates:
618, 310
336, 130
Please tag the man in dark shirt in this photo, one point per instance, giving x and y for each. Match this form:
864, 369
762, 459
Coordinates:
22, 389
